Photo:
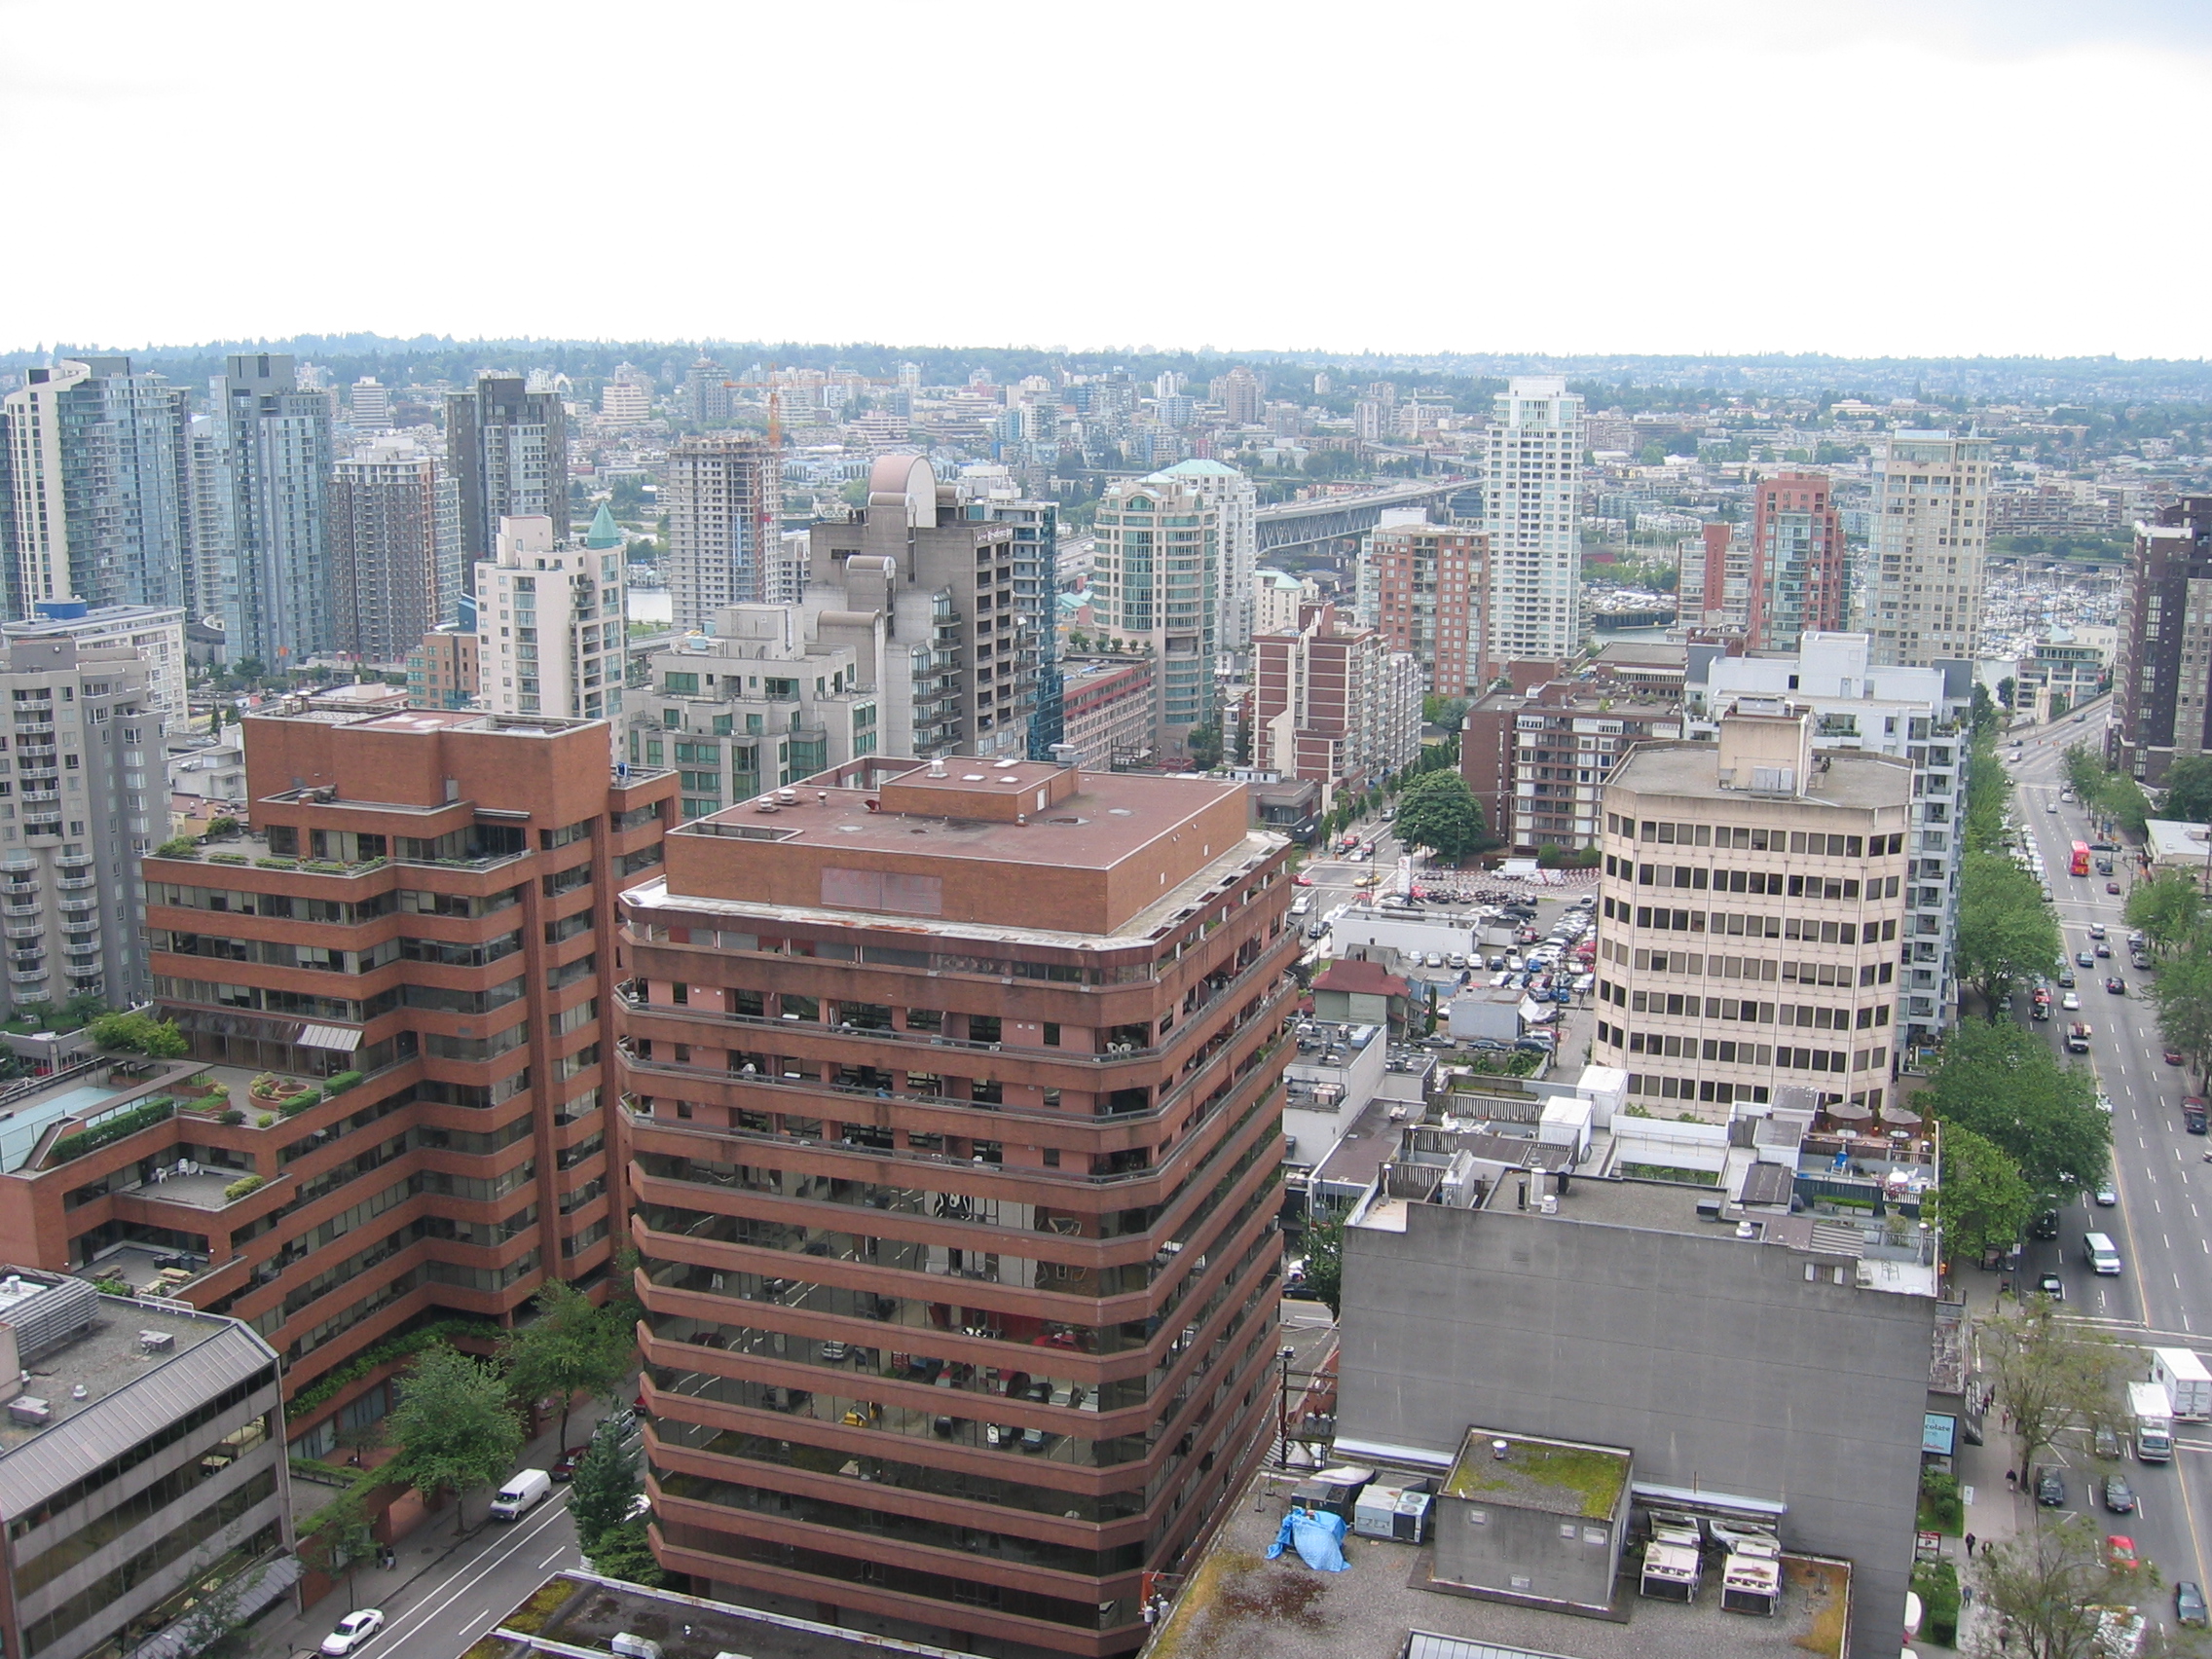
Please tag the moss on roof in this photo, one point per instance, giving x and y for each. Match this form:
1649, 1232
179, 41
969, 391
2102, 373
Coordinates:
1551, 1475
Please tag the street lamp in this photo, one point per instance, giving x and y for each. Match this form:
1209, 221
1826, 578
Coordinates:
1282, 1404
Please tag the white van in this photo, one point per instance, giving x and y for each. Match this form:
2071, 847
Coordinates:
1303, 904
526, 1491
2098, 1251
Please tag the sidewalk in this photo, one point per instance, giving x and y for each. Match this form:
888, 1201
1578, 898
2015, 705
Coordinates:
428, 1548
1994, 1514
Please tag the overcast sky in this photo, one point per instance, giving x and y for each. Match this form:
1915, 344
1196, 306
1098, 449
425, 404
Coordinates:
1859, 176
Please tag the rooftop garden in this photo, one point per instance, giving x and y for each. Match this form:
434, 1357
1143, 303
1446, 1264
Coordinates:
1588, 1479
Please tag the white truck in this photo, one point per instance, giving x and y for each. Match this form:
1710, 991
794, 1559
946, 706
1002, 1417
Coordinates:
2187, 1385
2152, 1414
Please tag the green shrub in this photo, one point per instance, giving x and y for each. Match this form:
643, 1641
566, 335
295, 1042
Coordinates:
277, 863
177, 847
242, 1186
228, 859
299, 1103
335, 1085
113, 1287
1938, 1585
328, 1384
112, 1130
234, 1117
1941, 1507
265, 1120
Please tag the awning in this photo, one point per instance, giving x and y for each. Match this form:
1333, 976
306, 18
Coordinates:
343, 1038
263, 1585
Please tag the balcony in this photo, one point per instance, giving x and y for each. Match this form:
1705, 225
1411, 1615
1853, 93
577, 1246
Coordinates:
22, 929
73, 907
76, 883
27, 976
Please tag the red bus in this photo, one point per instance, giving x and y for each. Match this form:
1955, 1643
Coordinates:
2080, 858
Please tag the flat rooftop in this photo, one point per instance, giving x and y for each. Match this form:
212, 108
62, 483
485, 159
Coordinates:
582, 1611
107, 1358
1109, 817
1853, 780
1240, 1605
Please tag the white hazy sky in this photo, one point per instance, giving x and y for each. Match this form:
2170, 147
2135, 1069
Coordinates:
1858, 176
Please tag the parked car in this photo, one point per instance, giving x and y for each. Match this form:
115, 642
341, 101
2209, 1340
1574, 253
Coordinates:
2107, 1195
2119, 1553
565, 1467
354, 1629
2105, 1443
2052, 1286
2173, 1057
2189, 1602
2050, 1487
2120, 1496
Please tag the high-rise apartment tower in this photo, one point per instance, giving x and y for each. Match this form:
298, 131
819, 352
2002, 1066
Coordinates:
723, 496
396, 543
1533, 512
507, 448
1931, 532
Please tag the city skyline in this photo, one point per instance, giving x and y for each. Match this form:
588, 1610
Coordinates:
1920, 92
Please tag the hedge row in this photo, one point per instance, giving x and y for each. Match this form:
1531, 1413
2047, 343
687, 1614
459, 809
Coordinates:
360, 1364
154, 1111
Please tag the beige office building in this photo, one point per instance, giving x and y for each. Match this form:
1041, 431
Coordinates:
1750, 908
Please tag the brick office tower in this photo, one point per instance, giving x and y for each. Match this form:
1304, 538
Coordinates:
953, 1102
447, 929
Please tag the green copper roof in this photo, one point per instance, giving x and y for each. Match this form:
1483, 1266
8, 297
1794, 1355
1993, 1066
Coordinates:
604, 532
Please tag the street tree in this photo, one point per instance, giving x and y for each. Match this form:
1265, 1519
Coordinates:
2168, 908
569, 1345
1990, 788
2046, 1592
1325, 1262
1439, 812
2054, 1376
2183, 992
1982, 1200
2085, 770
347, 1534
2007, 933
2004, 1084
606, 1483
2189, 790
454, 1425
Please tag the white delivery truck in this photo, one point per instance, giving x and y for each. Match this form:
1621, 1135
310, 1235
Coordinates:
2187, 1385
2152, 1415
521, 1494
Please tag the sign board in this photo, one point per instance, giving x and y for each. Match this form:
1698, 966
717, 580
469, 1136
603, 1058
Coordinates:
1938, 1434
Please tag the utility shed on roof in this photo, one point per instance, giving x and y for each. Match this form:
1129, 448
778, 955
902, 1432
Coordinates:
1533, 1520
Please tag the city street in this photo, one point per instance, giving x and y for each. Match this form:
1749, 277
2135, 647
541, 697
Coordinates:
2164, 1296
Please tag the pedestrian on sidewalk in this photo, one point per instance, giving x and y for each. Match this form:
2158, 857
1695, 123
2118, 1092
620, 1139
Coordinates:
1970, 1546
2011, 1480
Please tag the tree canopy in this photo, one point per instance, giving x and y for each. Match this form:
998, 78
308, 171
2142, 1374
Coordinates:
2007, 933
1438, 811
2189, 790
2052, 1376
140, 1034
2170, 908
454, 1425
2182, 993
1983, 1200
570, 1344
606, 1483
2049, 1587
2004, 1084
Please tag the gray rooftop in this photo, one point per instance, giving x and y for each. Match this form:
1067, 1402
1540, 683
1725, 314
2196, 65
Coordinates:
130, 1391
1238, 1604
1855, 781
580, 1612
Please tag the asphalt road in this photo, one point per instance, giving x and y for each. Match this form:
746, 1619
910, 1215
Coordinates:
2162, 1223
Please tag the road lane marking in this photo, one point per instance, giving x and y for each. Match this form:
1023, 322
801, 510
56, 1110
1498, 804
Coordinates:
554, 1557
485, 1563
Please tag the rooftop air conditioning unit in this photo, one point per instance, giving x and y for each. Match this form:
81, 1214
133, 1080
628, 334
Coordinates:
156, 1341
25, 1410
